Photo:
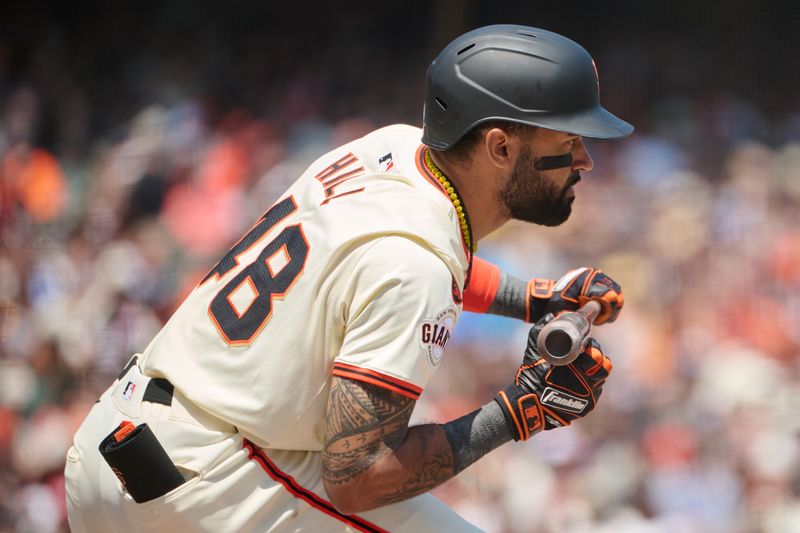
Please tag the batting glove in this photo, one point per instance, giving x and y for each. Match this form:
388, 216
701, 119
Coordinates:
572, 291
544, 397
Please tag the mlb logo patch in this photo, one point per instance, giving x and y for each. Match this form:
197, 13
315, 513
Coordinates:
385, 163
128, 390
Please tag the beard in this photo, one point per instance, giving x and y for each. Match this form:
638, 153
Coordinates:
531, 197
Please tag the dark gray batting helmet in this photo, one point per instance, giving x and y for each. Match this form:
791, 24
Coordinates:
517, 74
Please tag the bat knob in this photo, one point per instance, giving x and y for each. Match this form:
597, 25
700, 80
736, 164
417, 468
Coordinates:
564, 338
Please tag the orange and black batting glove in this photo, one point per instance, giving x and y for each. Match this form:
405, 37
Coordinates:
572, 291
544, 397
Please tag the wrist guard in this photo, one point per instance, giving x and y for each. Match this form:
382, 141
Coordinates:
522, 410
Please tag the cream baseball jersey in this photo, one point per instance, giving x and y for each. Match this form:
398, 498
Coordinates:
356, 271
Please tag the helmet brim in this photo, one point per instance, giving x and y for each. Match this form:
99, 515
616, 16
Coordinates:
594, 123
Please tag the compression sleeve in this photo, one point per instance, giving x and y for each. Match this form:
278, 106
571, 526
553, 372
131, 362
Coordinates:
494, 292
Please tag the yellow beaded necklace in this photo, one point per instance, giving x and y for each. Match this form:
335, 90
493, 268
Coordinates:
461, 211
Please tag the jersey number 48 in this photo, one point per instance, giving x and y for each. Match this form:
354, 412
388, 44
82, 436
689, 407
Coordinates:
242, 308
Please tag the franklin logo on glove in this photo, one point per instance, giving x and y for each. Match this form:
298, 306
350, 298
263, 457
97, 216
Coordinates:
563, 400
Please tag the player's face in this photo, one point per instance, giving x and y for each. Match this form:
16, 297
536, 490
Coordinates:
545, 196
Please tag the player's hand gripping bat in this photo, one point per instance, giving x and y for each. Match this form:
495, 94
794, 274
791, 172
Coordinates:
544, 396
564, 338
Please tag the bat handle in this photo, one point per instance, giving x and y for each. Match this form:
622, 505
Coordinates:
564, 338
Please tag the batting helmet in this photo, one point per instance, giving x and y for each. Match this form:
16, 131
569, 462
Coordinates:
517, 74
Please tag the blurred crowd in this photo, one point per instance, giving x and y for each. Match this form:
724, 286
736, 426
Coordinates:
697, 216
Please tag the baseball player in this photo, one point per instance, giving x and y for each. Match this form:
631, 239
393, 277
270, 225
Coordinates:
278, 396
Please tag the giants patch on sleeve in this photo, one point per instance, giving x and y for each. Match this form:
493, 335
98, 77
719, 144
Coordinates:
435, 333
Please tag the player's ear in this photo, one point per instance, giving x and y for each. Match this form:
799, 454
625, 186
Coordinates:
498, 145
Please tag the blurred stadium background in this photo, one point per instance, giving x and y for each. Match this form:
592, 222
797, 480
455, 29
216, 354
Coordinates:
138, 140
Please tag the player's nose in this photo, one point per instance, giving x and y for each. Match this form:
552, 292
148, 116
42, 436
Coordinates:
581, 160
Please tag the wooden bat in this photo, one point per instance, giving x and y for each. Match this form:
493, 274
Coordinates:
564, 338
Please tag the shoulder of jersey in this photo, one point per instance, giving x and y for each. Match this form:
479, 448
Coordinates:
384, 167
388, 192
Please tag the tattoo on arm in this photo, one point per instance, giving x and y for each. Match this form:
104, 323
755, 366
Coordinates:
367, 424
364, 422
435, 470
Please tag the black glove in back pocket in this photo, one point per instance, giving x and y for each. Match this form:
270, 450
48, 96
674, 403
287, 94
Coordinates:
140, 462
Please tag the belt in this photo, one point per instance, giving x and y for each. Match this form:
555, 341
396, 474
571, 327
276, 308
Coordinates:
158, 390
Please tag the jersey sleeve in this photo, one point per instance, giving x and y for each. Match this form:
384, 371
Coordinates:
482, 289
400, 316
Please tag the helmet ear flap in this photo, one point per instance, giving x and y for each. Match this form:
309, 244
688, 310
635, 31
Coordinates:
517, 74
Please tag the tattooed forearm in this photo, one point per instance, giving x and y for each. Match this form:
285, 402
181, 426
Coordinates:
364, 422
437, 469
372, 458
